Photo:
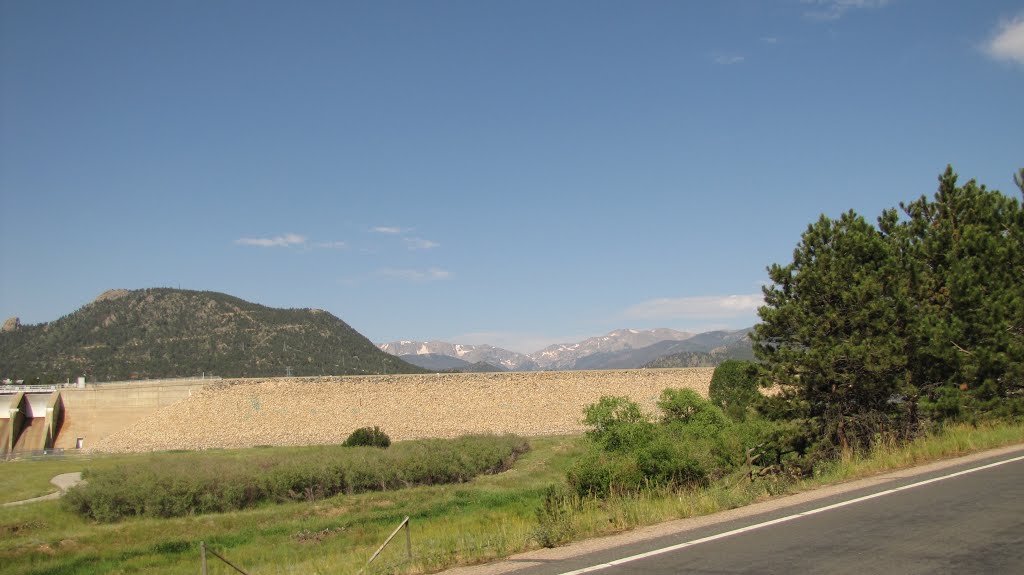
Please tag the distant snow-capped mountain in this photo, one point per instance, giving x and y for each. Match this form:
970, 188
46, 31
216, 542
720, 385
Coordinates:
555, 357
497, 356
566, 355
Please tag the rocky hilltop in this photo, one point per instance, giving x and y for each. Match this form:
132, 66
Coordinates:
155, 333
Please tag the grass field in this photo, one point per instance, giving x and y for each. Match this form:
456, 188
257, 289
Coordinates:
490, 517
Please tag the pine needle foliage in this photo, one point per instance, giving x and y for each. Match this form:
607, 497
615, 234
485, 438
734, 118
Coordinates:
883, 330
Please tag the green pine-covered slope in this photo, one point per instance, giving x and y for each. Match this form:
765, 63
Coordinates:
156, 333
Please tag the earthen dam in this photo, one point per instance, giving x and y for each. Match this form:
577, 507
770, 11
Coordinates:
198, 414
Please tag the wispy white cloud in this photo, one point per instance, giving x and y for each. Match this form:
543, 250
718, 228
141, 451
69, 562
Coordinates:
836, 9
414, 275
420, 244
290, 241
332, 245
695, 308
388, 230
274, 242
1008, 41
729, 60
770, 39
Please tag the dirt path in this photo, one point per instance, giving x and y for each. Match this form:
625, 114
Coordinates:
64, 481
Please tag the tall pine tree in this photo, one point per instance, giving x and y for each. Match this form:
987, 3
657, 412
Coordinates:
832, 329
866, 321
963, 254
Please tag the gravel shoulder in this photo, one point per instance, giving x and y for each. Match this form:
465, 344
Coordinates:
679, 528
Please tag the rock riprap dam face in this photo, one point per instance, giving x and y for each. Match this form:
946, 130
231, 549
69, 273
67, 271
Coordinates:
325, 410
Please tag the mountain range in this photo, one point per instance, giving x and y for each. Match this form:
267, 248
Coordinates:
619, 349
162, 332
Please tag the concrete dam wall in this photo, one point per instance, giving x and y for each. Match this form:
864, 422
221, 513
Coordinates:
325, 410
69, 418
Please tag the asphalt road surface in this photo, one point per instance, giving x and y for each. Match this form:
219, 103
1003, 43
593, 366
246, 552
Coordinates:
969, 523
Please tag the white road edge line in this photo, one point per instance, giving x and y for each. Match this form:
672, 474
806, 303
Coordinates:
686, 544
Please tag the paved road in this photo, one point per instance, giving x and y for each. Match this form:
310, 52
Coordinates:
971, 523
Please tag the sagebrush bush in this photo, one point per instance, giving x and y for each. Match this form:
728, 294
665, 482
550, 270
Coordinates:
555, 517
177, 484
368, 437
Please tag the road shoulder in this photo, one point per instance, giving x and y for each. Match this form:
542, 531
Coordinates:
680, 527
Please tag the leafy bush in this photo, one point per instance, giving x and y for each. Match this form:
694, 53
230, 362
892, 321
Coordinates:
734, 388
685, 406
177, 484
693, 443
618, 423
368, 437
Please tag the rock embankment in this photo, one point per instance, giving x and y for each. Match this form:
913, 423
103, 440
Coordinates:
325, 410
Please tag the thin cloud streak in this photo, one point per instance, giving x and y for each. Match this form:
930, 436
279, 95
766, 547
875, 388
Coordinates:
695, 308
274, 242
413, 275
420, 244
388, 230
332, 245
729, 60
835, 9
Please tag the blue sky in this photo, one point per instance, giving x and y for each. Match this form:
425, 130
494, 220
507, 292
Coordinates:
513, 173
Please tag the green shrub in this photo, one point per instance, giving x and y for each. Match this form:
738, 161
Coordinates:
601, 473
618, 423
669, 462
687, 407
734, 387
555, 517
173, 485
693, 443
368, 437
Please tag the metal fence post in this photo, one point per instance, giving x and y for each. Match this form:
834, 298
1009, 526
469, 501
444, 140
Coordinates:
408, 540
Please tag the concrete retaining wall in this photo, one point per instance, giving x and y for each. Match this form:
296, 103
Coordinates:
97, 411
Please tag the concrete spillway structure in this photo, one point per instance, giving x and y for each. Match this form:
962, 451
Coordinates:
29, 421
13, 419
70, 418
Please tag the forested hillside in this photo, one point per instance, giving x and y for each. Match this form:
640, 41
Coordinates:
155, 333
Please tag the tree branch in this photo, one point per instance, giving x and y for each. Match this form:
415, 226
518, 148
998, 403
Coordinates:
960, 348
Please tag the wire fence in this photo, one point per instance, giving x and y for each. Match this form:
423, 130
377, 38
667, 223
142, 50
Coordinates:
37, 388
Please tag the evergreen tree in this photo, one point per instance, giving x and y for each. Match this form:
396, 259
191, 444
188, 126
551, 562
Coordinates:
963, 255
831, 330
867, 321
